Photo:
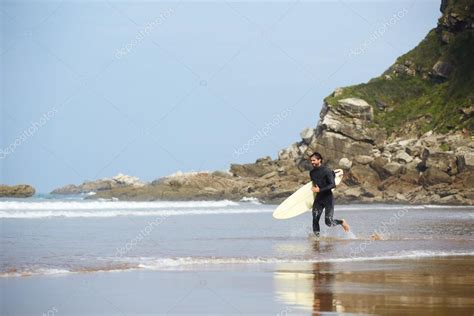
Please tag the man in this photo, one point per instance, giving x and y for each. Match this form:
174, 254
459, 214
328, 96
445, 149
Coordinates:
323, 183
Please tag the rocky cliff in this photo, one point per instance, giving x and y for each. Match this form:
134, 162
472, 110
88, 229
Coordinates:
403, 137
430, 168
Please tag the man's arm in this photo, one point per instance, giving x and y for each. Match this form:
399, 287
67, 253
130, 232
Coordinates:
331, 184
311, 177
315, 187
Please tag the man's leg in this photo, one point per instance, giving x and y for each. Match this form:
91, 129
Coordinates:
317, 211
328, 215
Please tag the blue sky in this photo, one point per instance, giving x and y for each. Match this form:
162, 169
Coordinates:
93, 88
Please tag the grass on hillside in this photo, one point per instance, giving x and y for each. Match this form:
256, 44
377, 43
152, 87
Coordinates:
409, 98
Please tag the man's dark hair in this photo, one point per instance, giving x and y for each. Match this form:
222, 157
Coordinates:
317, 155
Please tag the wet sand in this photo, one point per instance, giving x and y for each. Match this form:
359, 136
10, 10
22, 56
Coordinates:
428, 286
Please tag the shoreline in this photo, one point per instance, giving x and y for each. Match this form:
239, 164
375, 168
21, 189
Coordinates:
193, 263
413, 287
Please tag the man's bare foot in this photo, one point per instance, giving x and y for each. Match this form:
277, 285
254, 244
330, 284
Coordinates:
345, 226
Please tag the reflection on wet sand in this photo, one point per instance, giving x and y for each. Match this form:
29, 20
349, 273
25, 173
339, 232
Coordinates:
323, 297
416, 286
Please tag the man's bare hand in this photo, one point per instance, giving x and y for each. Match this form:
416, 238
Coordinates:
315, 189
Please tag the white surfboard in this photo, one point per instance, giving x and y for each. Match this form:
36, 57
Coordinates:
302, 200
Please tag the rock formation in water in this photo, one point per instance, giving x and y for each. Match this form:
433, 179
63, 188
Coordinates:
105, 184
16, 191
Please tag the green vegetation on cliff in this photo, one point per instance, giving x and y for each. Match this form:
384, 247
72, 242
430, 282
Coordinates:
428, 87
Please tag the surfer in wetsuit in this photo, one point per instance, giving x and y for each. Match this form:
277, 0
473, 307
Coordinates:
323, 183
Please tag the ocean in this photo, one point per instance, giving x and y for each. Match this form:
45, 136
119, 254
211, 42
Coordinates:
48, 238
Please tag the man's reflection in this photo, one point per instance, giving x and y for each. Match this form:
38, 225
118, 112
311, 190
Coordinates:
312, 286
323, 279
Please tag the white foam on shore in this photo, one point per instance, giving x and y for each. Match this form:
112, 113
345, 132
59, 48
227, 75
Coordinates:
183, 262
117, 213
252, 200
97, 209
130, 205
32, 272
189, 263
109, 205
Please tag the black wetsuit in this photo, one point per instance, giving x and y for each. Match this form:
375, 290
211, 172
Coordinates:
323, 177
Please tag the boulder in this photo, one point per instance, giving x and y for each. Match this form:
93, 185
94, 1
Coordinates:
356, 108
353, 193
335, 146
413, 165
469, 159
363, 159
17, 191
433, 176
402, 157
307, 135
345, 163
392, 168
351, 121
378, 165
363, 175
444, 161
411, 176
393, 147
442, 69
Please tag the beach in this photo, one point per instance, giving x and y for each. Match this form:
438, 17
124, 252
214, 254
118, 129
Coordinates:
428, 286
145, 147
76, 257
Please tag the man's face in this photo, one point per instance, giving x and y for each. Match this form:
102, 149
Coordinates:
315, 162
